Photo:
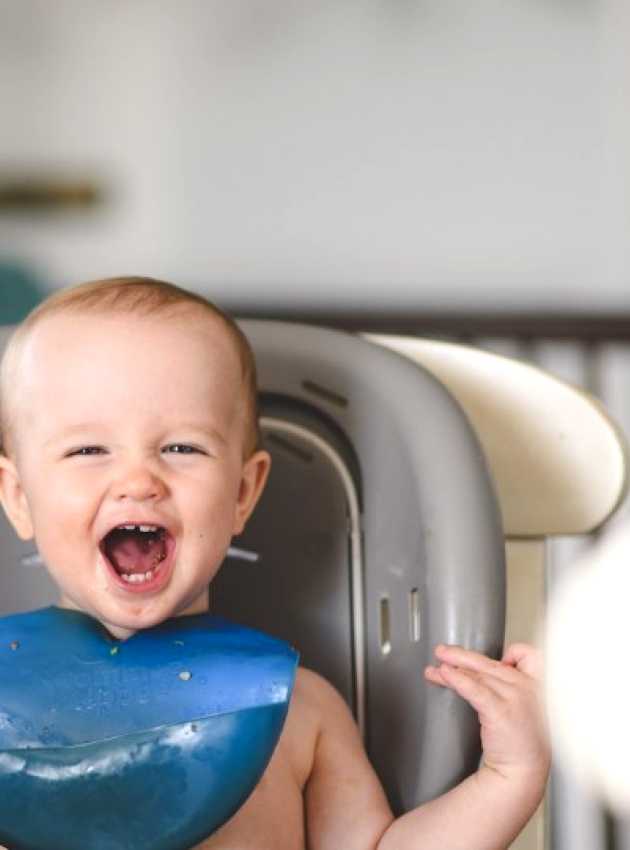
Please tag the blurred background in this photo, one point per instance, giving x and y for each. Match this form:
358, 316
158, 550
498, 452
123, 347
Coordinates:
439, 167
384, 154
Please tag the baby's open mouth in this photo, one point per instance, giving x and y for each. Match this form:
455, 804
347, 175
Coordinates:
137, 552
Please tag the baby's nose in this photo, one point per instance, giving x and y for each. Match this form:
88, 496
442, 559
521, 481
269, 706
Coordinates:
139, 483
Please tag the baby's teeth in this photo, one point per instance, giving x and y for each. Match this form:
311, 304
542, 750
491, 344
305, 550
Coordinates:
137, 578
132, 527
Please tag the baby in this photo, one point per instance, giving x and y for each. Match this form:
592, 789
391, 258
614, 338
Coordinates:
133, 401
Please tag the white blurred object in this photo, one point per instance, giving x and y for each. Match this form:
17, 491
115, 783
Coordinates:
588, 685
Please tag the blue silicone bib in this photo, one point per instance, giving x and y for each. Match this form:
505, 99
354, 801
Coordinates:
147, 744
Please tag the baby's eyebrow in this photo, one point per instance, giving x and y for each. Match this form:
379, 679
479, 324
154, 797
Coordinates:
80, 428
177, 430
206, 429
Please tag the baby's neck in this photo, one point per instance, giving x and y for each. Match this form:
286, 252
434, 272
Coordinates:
199, 606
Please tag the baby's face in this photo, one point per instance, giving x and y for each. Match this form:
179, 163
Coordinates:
131, 421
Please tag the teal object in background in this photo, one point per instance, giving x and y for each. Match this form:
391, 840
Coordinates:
147, 744
19, 293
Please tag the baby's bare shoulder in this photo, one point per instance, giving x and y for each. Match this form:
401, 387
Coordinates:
314, 704
345, 803
315, 696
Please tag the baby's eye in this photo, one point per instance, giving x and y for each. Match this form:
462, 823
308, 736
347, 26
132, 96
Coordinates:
86, 450
183, 448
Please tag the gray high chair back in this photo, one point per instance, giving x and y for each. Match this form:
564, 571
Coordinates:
379, 536
380, 532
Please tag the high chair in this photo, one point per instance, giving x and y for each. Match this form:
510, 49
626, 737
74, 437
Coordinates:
403, 496
403, 472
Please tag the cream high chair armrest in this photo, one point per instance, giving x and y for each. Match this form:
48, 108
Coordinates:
558, 462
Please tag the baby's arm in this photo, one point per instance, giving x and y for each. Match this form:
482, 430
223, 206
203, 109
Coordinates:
485, 812
488, 809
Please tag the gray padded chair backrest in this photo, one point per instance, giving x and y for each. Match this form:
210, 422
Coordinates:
379, 536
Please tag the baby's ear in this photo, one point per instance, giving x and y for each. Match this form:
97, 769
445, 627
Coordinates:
255, 472
13, 499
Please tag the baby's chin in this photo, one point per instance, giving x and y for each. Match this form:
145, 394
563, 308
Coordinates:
120, 628
118, 632
123, 624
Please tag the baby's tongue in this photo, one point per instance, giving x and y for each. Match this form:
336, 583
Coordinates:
134, 552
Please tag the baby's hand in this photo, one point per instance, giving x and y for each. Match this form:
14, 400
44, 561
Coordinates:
506, 696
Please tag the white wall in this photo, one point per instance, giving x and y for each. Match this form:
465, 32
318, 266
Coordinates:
448, 153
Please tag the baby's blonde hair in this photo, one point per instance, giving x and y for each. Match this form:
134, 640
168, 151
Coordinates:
130, 295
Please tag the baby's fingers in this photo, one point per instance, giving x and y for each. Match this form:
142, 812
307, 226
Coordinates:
468, 659
482, 692
431, 674
443, 676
